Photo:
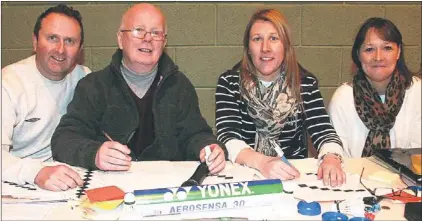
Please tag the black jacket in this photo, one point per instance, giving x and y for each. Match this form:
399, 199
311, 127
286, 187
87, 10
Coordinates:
102, 102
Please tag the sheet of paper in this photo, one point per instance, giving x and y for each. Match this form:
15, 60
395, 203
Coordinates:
27, 193
63, 212
24, 193
146, 175
25, 212
307, 165
309, 188
233, 172
163, 174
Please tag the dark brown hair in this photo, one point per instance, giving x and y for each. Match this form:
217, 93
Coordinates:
386, 30
63, 10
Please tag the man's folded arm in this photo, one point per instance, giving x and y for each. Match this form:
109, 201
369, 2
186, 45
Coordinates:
17, 170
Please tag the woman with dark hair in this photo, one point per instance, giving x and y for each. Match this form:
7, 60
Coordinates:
266, 101
385, 94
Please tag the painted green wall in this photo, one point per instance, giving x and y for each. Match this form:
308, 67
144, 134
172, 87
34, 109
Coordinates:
205, 37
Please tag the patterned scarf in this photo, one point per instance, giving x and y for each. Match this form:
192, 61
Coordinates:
269, 109
377, 116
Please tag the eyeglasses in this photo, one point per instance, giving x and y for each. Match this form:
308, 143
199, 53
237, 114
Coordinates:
140, 33
380, 193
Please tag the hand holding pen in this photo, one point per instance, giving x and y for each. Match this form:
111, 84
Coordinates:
274, 168
113, 155
291, 170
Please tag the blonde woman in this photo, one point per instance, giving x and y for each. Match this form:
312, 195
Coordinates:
264, 102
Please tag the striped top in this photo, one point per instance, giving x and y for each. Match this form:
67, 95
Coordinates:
233, 121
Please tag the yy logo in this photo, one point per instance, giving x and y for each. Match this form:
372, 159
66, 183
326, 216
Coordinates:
180, 193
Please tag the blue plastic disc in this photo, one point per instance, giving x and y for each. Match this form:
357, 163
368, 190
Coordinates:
359, 219
334, 216
309, 209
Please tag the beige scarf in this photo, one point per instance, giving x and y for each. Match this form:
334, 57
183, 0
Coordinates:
269, 109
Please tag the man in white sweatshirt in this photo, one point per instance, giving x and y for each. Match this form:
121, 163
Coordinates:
35, 94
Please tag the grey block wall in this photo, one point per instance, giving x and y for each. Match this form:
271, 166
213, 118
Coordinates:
205, 38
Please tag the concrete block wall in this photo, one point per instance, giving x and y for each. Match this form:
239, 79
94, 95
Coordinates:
205, 37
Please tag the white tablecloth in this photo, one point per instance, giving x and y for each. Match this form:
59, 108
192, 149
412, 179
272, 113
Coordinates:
160, 174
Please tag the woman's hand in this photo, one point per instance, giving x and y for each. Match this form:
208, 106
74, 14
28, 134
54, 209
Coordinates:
275, 168
331, 171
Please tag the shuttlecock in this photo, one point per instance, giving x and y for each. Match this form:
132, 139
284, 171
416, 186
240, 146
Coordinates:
128, 211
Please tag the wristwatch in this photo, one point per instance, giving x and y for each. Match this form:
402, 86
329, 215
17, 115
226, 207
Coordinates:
336, 155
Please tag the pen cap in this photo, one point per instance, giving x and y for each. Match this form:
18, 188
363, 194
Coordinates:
207, 154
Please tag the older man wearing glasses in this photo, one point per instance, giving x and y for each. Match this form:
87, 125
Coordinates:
140, 107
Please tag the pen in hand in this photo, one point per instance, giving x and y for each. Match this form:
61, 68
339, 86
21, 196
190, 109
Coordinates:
108, 137
282, 157
115, 161
280, 153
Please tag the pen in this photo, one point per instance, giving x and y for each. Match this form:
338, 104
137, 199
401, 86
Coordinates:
130, 137
108, 137
35, 201
207, 154
281, 155
284, 159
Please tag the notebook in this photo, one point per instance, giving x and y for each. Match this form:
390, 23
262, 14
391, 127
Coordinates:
399, 160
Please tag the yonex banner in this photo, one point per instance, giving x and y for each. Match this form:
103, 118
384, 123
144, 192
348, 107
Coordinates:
166, 201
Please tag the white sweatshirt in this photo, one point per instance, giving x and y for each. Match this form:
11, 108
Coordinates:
406, 132
31, 108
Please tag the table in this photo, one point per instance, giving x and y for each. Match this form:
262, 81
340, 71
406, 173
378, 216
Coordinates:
169, 174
